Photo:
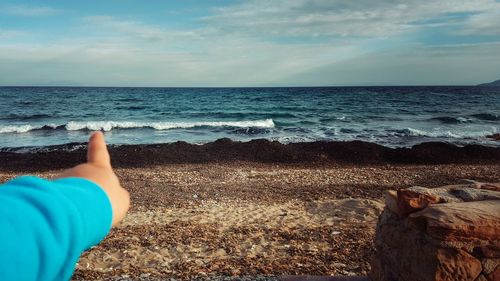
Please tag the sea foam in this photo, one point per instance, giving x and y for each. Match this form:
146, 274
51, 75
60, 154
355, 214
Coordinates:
443, 133
110, 125
25, 128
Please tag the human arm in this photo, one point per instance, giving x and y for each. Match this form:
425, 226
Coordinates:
46, 225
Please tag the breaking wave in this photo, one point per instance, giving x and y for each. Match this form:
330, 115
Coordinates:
411, 132
110, 125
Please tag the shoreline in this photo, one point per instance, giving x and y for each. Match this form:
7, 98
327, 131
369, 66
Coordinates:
255, 151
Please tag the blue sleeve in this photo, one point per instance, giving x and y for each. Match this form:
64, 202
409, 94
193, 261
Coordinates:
46, 225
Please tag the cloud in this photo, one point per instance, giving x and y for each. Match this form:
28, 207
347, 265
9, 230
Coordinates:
365, 18
236, 63
322, 19
29, 11
462, 64
11, 33
248, 44
136, 29
487, 23
231, 62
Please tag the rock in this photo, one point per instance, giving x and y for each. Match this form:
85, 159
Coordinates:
402, 252
495, 275
489, 265
391, 201
456, 265
488, 251
494, 137
482, 185
490, 186
406, 256
446, 233
461, 221
410, 201
377, 271
416, 198
470, 194
481, 278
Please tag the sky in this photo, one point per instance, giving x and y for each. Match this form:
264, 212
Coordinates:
249, 43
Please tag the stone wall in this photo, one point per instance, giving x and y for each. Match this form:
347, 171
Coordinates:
446, 233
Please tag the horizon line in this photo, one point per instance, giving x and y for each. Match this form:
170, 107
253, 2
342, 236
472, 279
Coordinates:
234, 87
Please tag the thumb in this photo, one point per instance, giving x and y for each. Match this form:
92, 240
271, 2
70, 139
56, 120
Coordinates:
97, 152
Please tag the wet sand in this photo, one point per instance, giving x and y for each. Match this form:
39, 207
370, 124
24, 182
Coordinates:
239, 218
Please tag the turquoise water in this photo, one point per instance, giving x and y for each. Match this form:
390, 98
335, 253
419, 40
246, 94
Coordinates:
393, 116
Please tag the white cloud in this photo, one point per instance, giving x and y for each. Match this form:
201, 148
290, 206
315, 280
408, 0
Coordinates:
237, 63
365, 18
239, 46
317, 18
463, 64
226, 62
29, 11
487, 23
137, 29
11, 33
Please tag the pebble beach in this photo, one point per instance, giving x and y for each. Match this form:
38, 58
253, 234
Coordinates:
240, 219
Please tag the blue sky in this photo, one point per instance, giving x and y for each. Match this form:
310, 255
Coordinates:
249, 43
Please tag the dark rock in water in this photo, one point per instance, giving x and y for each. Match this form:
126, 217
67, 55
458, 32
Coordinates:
260, 150
494, 137
491, 84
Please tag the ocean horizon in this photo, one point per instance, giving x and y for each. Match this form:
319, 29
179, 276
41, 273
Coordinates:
394, 116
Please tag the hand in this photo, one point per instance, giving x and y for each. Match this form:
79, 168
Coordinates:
98, 170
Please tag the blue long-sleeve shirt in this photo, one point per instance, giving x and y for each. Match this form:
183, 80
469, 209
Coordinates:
46, 225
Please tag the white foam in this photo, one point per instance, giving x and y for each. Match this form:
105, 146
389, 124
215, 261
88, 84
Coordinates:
23, 128
100, 125
449, 134
16, 129
110, 125
464, 119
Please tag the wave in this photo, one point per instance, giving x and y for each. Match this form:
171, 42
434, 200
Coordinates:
250, 131
451, 120
23, 117
110, 125
232, 115
470, 118
333, 119
132, 107
421, 133
486, 116
411, 132
27, 128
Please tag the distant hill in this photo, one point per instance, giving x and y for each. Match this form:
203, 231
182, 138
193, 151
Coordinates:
491, 84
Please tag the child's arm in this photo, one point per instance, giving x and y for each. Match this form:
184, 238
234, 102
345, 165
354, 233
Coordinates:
45, 225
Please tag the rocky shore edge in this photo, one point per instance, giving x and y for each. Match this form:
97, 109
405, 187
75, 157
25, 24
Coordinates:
260, 151
446, 233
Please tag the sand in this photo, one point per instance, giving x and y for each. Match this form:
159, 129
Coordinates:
252, 219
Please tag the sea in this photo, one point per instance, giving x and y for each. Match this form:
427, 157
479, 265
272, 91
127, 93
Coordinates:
32, 118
